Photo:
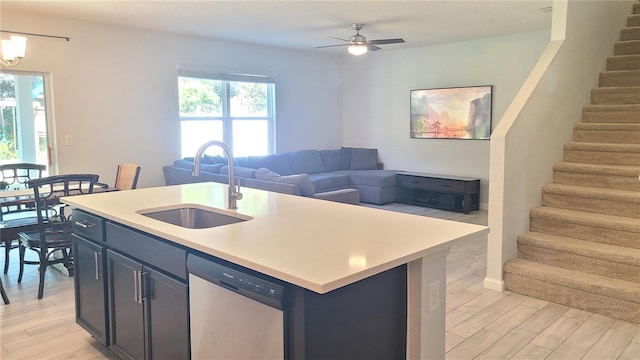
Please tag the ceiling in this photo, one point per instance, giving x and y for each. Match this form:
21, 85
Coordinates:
302, 24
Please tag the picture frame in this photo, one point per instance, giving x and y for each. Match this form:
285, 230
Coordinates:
451, 113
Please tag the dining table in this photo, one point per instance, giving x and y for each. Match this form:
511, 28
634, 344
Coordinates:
24, 197
17, 198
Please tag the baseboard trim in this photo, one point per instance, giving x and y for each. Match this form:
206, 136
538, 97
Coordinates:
494, 284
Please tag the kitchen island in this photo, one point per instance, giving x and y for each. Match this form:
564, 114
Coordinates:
317, 245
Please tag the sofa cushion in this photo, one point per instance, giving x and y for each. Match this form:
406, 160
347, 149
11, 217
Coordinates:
376, 195
346, 158
266, 174
305, 162
174, 175
215, 168
364, 159
346, 196
274, 186
242, 161
302, 181
183, 164
331, 159
374, 178
239, 171
330, 180
208, 159
276, 162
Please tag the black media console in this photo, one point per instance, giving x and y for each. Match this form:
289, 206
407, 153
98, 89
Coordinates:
455, 193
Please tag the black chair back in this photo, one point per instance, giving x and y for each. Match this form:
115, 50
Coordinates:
19, 174
48, 191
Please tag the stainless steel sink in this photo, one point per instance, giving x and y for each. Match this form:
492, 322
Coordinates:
192, 217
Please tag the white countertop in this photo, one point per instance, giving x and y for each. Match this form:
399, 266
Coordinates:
316, 244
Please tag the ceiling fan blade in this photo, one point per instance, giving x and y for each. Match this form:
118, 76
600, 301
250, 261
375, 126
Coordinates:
386, 41
328, 46
372, 47
339, 39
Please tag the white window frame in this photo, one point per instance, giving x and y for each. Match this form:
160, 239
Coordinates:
226, 118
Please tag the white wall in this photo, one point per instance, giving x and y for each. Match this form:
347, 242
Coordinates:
532, 141
115, 91
376, 99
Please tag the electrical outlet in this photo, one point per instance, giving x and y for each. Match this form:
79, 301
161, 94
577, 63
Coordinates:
434, 296
68, 140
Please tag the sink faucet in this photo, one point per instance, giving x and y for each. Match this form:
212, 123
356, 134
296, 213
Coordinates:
234, 191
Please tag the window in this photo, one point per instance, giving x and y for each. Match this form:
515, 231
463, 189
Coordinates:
24, 125
236, 109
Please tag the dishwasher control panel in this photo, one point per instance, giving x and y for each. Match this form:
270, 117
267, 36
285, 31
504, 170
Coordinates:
256, 288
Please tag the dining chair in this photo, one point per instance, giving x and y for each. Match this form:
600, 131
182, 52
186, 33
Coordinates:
53, 231
16, 176
5, 297
126, 177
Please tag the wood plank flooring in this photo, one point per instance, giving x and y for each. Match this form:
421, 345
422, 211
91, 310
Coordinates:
481, 324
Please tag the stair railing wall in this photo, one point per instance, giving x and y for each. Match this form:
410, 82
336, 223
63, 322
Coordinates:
530, 136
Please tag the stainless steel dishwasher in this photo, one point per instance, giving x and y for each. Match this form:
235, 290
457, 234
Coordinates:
233, 314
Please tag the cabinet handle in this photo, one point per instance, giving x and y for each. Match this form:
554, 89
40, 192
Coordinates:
143, 286
140, 295
135, 286
84, 224
95, 258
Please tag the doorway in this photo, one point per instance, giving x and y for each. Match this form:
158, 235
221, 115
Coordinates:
25, 123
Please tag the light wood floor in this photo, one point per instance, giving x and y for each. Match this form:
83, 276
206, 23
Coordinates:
481, 324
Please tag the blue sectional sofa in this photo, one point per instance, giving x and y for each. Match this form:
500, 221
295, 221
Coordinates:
329, 172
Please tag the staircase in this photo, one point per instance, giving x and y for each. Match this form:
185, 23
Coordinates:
583, 245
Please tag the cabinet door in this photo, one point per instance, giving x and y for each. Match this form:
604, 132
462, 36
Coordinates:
126, 308
169, 316
90, 286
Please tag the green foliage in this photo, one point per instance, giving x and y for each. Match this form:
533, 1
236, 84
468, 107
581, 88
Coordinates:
200, 96
204, 97
251, 96
7, 119
7, 151
7, 86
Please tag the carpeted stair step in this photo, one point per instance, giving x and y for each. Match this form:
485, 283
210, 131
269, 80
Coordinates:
617, 101
597, 175
630, 33
600, 153
616, 133
633, 20
623, 62
599, 294
629, 114
636, 8
620, 78
606, 229
584, 256
596, 200
628, 47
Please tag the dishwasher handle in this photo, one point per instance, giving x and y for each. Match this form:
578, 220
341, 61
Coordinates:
228, 286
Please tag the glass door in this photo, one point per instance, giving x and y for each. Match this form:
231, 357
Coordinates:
24, 124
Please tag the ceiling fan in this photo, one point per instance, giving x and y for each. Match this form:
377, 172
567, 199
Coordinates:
358, 44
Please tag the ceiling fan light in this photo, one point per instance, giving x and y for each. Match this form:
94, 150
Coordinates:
357, 49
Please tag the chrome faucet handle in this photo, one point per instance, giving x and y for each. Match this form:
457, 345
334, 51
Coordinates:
236, 192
